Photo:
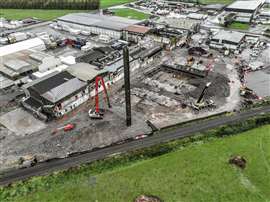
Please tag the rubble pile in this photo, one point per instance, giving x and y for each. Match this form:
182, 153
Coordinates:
154, 97
179, 88
219, 87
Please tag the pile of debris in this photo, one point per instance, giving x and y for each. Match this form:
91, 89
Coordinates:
220, 86
154, 97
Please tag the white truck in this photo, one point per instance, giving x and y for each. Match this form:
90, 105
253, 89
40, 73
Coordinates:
16, 37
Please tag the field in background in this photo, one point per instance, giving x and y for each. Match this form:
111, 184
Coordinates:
50, 14
17, 14
130, 13
216, 1
108, 3
198, 172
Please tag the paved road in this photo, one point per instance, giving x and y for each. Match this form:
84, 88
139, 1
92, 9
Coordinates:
48, 167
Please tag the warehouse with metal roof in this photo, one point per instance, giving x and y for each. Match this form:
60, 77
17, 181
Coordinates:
245, 6
96, 23
228, 39
55, 94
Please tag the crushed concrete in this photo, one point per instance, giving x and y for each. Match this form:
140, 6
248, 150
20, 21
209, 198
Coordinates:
21, 122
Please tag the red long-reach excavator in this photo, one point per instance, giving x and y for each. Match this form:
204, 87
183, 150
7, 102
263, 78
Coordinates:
97, 113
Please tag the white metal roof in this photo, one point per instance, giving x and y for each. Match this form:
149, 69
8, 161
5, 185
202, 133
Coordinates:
23, 45
85, 71
95, 20
245, 5
232, 36
60, 92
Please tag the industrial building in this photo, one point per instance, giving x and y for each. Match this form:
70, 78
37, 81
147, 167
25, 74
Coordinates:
227, 39
54, 95
244, 10
136, 32
85, 72
30, 44
99, 56
97, 24
245, 6
180, 23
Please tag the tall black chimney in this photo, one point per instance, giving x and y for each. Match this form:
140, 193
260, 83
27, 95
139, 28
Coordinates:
127, 85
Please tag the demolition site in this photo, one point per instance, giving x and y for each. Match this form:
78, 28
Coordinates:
90, 80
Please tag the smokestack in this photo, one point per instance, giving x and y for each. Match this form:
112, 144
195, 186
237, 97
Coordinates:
127, 85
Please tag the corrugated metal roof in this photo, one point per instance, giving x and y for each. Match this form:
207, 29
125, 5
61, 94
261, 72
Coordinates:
24, 45
17, 65
229, 36
103, 21
64, 90
84, 71
245, 5
138, 29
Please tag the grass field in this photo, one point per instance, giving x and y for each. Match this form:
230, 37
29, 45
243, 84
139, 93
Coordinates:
16, 14
50, 14
239, 25
216, 1
130, 13
198, 172
108, 3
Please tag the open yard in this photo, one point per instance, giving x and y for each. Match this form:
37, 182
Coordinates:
198, 172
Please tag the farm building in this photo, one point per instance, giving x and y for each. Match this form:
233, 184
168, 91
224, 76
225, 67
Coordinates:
54, 95
97, 24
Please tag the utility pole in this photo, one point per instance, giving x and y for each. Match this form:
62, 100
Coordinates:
127, 85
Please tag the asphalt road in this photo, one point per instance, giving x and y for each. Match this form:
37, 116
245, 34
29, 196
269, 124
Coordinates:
59, 164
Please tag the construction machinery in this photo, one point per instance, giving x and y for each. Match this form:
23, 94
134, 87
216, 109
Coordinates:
201, 103
98, 113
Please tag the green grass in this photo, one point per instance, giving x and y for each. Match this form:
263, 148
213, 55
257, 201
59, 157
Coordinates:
216, 1
239, 25
198, 172
130, 13
18, 14
108, 3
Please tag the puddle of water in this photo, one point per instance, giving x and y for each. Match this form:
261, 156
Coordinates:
259, 82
